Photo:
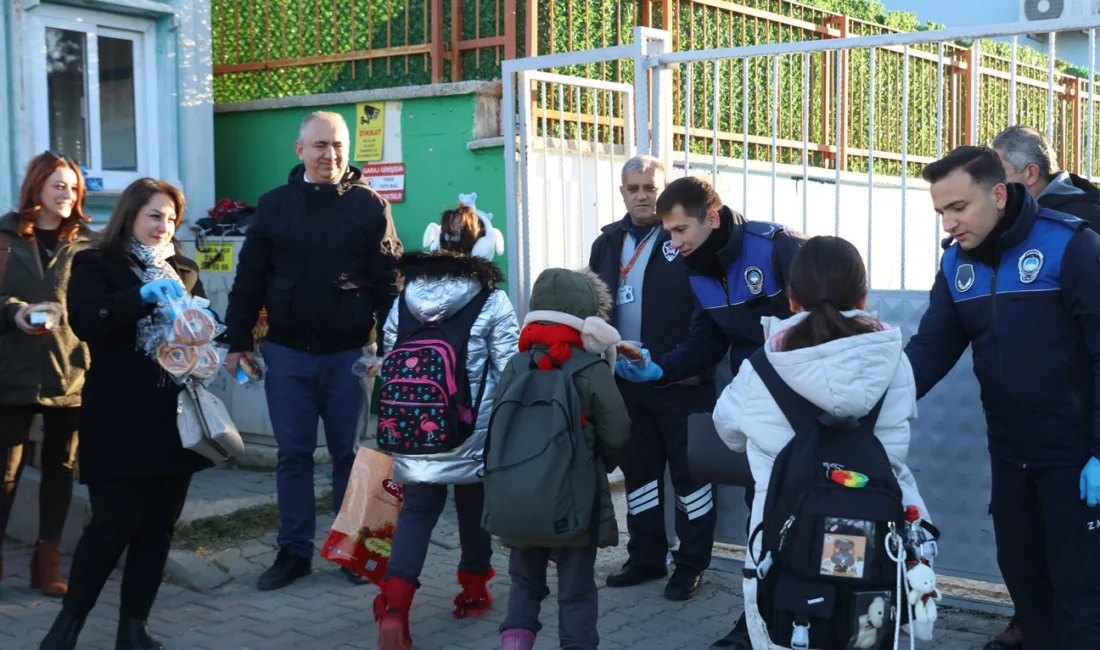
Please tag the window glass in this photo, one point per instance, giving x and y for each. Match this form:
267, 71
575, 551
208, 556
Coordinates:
118, 126
66, 84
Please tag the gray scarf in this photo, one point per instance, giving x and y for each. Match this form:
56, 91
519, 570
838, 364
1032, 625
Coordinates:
151, 329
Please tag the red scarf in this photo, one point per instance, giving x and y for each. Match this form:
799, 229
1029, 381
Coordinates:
559, 338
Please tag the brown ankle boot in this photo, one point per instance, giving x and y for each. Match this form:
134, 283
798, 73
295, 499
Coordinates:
46, 569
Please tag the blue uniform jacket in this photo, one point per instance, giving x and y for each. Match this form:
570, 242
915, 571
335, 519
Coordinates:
728, 309
667, 302
1034, 326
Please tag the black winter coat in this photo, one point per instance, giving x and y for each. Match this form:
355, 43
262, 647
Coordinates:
128, 414
1083, 206
322, 259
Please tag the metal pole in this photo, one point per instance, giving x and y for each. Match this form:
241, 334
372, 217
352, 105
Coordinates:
775, 126
687, 119
805, 141
1050, 87
870, 161
1092, 101
745, 139
904, 151
1012, 84
939, 144
839, 89
714, 111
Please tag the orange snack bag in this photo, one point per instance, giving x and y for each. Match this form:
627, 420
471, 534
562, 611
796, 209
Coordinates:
362, 534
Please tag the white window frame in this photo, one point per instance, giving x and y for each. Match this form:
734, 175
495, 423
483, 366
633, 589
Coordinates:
92, 24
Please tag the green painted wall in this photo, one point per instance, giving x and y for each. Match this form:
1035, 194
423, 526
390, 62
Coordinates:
254, 152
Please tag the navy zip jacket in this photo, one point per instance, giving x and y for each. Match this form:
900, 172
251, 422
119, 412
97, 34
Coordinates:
733, 293
667, 302
1032, 316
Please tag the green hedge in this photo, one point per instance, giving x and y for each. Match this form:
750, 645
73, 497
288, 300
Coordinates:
259, 30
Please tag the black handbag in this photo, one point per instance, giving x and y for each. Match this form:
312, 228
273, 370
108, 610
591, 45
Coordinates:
710, 460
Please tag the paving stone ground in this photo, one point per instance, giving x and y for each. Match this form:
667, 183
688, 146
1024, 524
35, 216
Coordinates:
324, 612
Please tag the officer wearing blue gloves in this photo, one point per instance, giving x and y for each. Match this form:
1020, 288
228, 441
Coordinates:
1021, 285
737, 271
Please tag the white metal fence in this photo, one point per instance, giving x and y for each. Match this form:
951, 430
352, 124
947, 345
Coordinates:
888, 216
561, 188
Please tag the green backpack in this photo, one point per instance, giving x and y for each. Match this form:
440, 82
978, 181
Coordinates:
540, 475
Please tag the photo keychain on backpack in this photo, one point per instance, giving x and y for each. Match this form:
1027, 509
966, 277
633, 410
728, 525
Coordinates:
833, 542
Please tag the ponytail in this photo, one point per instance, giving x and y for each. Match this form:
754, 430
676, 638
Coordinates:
827, 277
825, 323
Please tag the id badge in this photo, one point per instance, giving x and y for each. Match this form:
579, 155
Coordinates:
625, 295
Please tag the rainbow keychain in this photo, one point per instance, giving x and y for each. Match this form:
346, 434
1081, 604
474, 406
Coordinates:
849, 479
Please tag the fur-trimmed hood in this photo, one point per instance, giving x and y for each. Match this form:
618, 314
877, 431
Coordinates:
440, 283
578, 293
413, 266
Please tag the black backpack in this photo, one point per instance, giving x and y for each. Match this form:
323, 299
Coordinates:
425, 406
826, 576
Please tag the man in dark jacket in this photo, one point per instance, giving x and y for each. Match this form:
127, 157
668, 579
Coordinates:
737, 270
320, 256
653, 305
1021, 285
1029, 160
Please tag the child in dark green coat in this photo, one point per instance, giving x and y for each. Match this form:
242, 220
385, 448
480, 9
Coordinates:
568, 312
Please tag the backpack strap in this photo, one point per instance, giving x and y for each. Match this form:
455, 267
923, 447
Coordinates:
802, 414
5, 254
480, 300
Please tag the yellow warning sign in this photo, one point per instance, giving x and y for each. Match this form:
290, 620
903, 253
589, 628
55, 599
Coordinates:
370, 118
216, 257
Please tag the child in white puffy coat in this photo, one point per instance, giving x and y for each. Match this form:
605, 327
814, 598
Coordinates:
837, 356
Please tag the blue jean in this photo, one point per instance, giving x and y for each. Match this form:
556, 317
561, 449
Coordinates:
302, 387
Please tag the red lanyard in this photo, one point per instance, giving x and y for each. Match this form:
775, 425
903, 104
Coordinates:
625, 270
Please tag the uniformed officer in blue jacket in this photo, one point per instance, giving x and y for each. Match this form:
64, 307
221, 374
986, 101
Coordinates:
1021, 285
737, 270
653, 304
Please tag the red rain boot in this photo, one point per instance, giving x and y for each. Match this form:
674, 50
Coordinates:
475, 598
391, 611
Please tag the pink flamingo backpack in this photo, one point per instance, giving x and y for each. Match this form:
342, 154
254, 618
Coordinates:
425, 405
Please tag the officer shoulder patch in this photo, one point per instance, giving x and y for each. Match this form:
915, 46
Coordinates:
964, 277
1067, 220
668, 251
764, 229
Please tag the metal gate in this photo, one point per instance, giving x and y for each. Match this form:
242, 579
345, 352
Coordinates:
848, 165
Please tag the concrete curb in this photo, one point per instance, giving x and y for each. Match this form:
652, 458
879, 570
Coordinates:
192, 571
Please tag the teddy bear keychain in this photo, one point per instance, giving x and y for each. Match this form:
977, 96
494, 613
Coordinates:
870, 624
923, 593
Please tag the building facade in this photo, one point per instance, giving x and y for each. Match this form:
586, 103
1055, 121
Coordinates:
123, 87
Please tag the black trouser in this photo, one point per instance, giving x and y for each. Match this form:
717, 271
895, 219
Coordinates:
658, 435
419, 514
1048, 548
59, 438
135, 514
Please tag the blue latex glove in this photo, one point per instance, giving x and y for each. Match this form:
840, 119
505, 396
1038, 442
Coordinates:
163, 290
637, 374
1090, 483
